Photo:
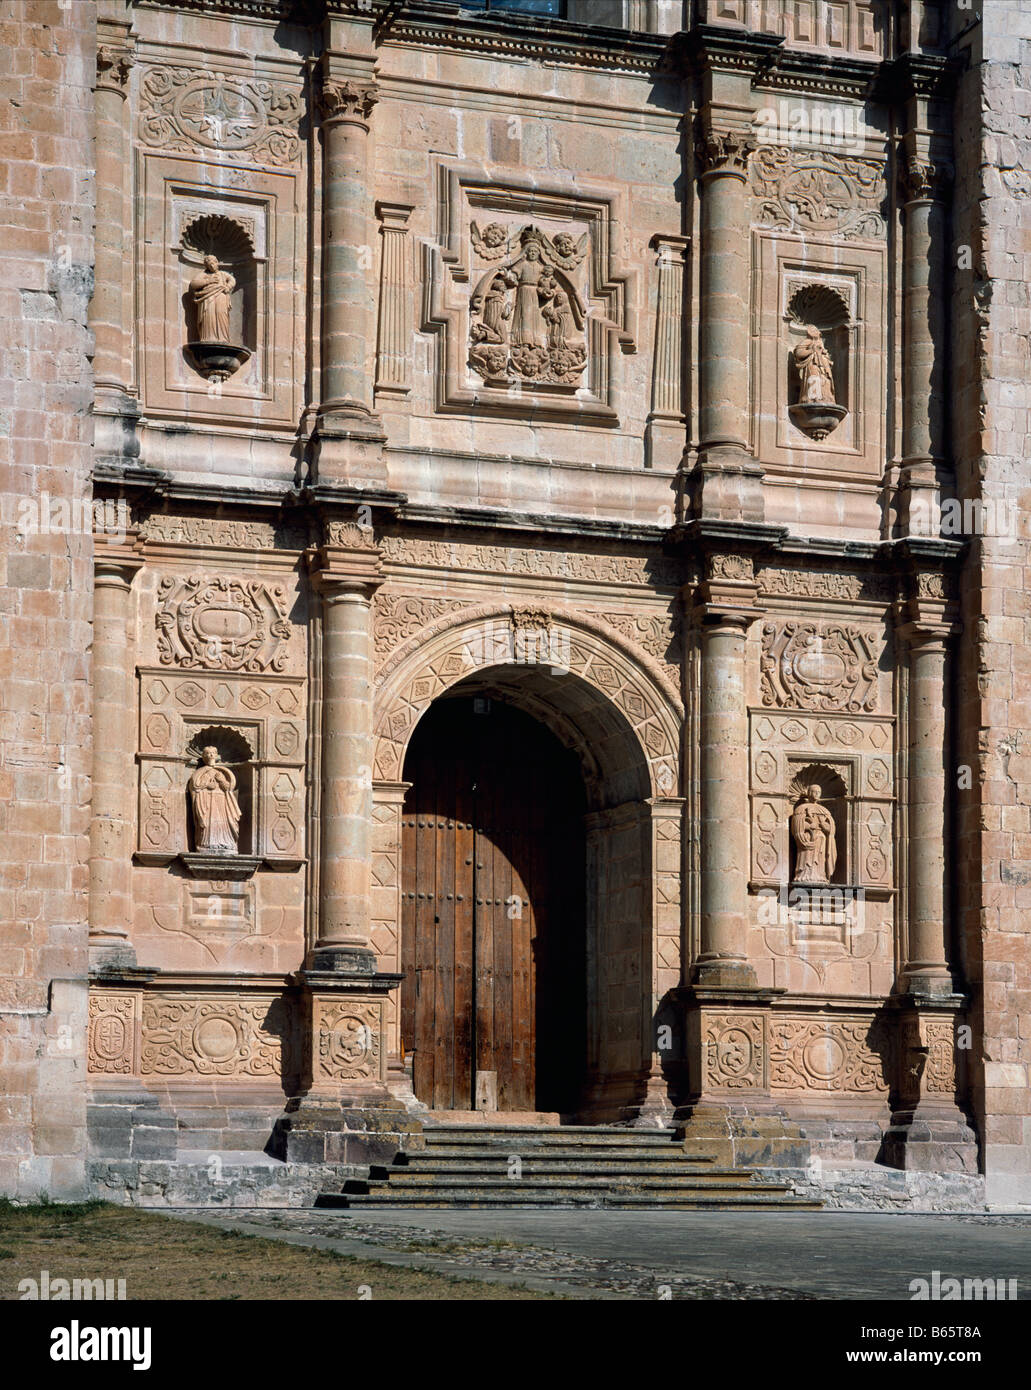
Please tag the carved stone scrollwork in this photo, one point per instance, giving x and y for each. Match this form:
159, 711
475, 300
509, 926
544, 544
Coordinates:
184, 109
819, 191
821, 1055
832, 667
735, 1051
222, 623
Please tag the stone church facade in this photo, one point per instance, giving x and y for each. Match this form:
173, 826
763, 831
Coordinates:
551, 641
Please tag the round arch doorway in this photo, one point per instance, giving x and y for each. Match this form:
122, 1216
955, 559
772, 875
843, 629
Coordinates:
493, 939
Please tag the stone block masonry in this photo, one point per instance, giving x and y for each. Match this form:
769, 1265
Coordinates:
46, 394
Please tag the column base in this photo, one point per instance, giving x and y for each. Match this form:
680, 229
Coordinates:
726, 484
111, 955
724, 974
360, 1128
929, 1140
738, 1135
342, 960
348, 447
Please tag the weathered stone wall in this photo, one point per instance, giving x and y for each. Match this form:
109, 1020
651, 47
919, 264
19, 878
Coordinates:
46, 390
992, 368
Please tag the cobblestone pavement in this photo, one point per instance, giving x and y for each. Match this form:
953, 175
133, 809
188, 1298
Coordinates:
678, 1255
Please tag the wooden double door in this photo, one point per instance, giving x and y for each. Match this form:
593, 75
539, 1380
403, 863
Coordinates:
493, 1003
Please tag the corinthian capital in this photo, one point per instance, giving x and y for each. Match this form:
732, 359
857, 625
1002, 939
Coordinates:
922, 180
722, 151
347, 100
114, 63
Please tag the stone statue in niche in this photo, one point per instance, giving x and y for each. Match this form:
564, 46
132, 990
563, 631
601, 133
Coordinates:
211, 292
815, 369
821, 314
216, 811
814, 833
528, 317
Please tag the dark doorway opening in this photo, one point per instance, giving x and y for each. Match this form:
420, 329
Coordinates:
494, 998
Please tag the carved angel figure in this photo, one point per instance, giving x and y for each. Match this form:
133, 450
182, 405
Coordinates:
814, 832
216, 811
815, 369
211, 293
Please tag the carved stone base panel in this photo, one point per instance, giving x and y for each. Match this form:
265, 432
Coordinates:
851, 1055
170, 1034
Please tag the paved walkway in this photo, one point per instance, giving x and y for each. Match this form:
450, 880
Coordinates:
683, 1255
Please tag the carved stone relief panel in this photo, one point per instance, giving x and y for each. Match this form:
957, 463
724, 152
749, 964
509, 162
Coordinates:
222, 114
805, 191
526, 295
222, 622
348, 1040
820, 666
210, 1035
222, 255
832, 1055
113, 1033
734, 1051
257, 724
822, 866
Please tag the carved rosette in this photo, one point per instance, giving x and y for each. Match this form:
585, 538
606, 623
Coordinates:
222, 623
819, 667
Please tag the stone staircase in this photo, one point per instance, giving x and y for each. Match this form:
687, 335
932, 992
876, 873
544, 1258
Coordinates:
567, 1166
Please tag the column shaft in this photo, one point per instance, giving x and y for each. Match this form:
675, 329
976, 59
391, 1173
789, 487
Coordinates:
113, 782
108, 311
346, 814
927, 969
725, 278
724, 807
348, 302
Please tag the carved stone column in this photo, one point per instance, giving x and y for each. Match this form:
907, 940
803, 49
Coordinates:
110, 311
929, 1129
347, 578
394, 337
113, 782
728, 482
665, 431
924, 187
346, 411
726, 611
926, 627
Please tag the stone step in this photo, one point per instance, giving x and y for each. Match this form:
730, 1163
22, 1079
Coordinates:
555, 1153
537, 1138
547, 1163
571, 1197
403, 1182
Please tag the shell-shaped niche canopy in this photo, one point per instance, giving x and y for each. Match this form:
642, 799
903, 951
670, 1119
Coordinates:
823, 306
214, 234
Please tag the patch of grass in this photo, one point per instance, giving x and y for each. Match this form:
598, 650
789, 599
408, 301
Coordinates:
169, 1259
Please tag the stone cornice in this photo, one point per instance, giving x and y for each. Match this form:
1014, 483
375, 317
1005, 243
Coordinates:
710, 47
509, 33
